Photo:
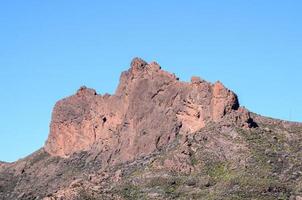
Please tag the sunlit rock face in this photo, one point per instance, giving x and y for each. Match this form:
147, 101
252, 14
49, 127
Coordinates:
159, 138
149, 109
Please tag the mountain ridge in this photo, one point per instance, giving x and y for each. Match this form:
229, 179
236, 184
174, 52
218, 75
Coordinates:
144, 86
159, 138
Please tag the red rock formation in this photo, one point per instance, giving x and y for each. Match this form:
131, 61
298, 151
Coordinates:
223, 101
150, 108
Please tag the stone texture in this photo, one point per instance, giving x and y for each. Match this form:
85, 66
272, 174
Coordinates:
159, 138
150, 108
223, 101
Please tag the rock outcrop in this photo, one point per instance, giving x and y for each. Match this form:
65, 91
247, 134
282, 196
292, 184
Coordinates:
159, 138
2, 165
150, 108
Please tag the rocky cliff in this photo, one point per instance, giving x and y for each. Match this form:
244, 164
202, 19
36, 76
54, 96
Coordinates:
150, 108
159, 138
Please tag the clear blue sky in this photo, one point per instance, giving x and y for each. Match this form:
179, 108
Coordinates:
48, 49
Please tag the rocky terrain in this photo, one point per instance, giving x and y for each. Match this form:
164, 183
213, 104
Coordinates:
159, 138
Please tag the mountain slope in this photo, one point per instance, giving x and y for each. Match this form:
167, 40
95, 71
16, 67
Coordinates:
159, 138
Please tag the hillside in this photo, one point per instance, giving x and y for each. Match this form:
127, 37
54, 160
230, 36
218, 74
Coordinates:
159, 138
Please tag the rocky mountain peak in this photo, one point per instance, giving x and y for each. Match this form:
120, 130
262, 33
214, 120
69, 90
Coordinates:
159, 138
150, 109
84, 91
138, 64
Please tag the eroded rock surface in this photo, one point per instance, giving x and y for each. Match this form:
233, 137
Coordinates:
159, 138
150, 108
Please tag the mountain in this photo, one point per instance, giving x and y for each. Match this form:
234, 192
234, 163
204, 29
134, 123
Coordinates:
159, 138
